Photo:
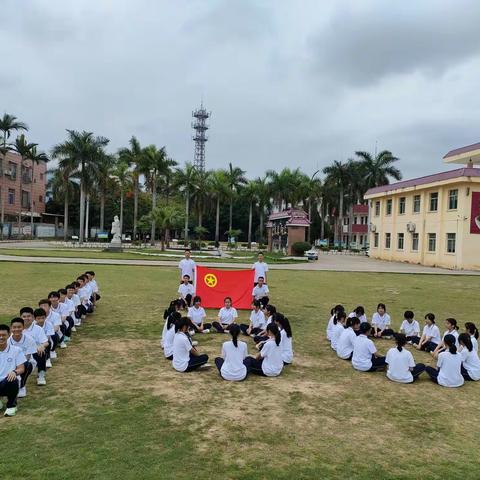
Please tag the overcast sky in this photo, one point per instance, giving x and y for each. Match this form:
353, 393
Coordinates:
289, 83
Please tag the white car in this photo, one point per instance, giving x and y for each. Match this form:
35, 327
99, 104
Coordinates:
312, 254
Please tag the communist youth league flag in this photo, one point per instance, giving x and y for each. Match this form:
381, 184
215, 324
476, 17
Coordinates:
214, 285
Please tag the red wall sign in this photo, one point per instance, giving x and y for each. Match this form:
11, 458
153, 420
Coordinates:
475, 214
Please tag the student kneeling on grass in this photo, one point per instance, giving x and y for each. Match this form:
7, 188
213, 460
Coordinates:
347, 338
268, 362
381, 322
227, 316
12, 364
365, 357
230, 364
41, 320
449, 366
185, 356
470, 361
257, 321
401, 365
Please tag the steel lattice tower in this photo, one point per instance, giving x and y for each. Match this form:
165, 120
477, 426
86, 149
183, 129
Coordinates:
200, 126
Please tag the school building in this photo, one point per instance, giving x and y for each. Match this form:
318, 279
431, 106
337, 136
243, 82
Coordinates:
432, 220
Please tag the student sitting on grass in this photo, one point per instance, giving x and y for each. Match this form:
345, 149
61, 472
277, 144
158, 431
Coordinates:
12, 364
257, 321
359, 313
338, 327
197, 315
347, 338
227, 316
449, 365
73, 301
430, 336
452, 329
283, 324
169, 335
365, 357
62, 310
336, 309
268, 362
410, 327
381, 322
262, 336
175, 306
185, 356
230, 364
69, 308
41, 320
470, 361
186, 291
472, 330
260, 292
55, 321
401, 365
94, 285
84, 293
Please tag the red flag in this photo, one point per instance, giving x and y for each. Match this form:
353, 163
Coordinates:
214, 285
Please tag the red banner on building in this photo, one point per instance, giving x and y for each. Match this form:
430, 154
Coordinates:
214, 285
475, 213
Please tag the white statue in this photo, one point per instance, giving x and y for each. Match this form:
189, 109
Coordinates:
116, 230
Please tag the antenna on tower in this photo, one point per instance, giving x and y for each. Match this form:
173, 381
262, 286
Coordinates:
200, 137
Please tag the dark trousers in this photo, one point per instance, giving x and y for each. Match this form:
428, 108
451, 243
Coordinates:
378, 363
206, 326
254, 366
418, 369
432, 373
429, 346
219, 328
41, 361
259, 338
388, 332
219, 362
53, 342
196, 361
170, 357
24, 376
9, 390
414, 339
80, 311
465, 374
244, 328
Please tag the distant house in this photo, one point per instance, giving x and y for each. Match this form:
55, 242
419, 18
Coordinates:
286, 228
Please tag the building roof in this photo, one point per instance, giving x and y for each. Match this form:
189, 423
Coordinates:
296, 217
469, 153
437, 177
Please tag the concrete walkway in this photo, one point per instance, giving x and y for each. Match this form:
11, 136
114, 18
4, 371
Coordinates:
331, 262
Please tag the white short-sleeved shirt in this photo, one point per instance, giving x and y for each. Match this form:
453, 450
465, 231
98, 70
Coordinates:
261, 269
433, 332
338, 328
379, 321
26, 344
94, 284
233, 368
345, 343
54, 318
227, 316
84, 294
471, 363
181, 352
168, 341
70, 305
454, 332
271, 353
76, 300
187, 267
47, 328
411, 329
62, 310
286, 346
260, 292
363, 349
10, 359
330, 327
185, 290
399, 364
36, 333
450, 370
362, 318
474, 342
258, 319
196, 315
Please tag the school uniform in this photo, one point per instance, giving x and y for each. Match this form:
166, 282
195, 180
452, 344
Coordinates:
433, 332
258, 322
474, 342
399, 365
10, 358
345, 343
186, 292
183, 360
226, 316
261, 269
40, 338
56, 320
411, 330
449, 371
168, 342
197, 315
382, 322
470, 364
261, 294
338, 328
28, 347
62, 310
69, 308
454, 332
362, 318
230, 365
363, 357
187, 267
271, 363
286, 346
330, 325
95, 289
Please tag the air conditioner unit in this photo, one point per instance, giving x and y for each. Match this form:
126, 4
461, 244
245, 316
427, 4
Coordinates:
411, 227
373, 227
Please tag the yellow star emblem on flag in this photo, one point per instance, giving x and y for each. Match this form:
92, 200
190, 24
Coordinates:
210, 280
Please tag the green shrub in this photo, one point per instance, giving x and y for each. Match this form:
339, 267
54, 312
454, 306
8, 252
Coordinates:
299, 248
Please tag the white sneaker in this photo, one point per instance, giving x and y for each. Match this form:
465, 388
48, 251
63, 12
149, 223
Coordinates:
53, 355
48, 363
194, 343
22, 393
206, 331
41, 379
74, 329
63, 345
10, 412
207, 365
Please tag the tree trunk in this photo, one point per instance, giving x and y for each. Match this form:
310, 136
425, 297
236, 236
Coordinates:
310, 219
217, 221
31, 201
322, 220
162, 241
82, 214
135, 205
262, 213
154, 204
230, 221
87, 218
340, 214
65, 216
121, 213
187, 208
250, 215
102, 211
200, 216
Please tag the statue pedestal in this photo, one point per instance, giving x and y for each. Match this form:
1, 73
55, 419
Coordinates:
114, 246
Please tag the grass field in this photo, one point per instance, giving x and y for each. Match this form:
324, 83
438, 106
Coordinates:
114, 408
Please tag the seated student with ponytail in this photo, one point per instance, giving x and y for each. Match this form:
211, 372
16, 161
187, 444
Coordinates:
186, 291
401, 365
470, 361
449, 365
359, 313
227, 316
283, 324
175, 306
430, 336
451, 329
410, 327
339, 323
169, 335
185, 356
381, 322
197, 315
230, 364
365, 357
262, 336
472, 330
336, 309
257, 320
347, 338
268, 362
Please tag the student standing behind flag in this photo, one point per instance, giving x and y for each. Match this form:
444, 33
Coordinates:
187, 266
261, 269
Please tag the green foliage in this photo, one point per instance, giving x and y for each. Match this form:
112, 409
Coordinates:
299, 248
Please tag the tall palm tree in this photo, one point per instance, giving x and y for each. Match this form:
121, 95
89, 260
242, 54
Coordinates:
123, 177
35, 157
379, 168
219, 189
263, 196
8, 125
166, 217
287, 187
313, 189
249, 193
236, 178
84, 152
185, 182
202, 180
103, 182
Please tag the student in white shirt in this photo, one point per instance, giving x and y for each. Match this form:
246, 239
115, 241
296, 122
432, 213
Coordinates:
470, 361
472, 330
257, 320
169, 334
230, 364
365, 357
41, 320
174, 307
187, 266
197, 315
69, 308
261, 269
93, 282
186, 291
185, 356
410, 327
452, 329
430, 336
359, 313
226, 316
12, 364
74, 301
260, 292
401, 365
347, 338
338, 327
62, 310
449, 366
269, 312
268, 362
283, 325
56, 320
336, 309
381, 322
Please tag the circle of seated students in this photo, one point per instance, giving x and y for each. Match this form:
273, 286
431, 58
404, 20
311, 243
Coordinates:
31, 340
269, 329
457, 354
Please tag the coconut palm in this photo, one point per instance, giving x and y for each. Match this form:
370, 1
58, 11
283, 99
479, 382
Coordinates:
378, 169
185, 182
122, 176
8, 125
236, 178
165, 217
288, 187
103, 182
35, 157
200, 196
313, 189
249, 193
263, 196
219, 190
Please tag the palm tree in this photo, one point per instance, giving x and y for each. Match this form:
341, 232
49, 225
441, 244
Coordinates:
8, 125
314, 192
287, 187
35, 157
83, 151
263, 196
236, 178
249, 192
202, 180
123, 176
103, 182
379, 168
219, 189
165, 218
185, 182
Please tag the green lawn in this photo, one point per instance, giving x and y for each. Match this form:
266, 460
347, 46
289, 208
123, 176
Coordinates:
114, 408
